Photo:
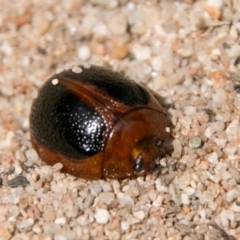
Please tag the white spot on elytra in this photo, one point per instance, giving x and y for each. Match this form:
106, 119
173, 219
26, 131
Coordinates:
55, 81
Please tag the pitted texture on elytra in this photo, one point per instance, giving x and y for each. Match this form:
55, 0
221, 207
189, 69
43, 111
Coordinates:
62, 122
111, 83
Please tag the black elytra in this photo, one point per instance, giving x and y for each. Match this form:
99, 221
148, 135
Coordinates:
116, 85
61, 121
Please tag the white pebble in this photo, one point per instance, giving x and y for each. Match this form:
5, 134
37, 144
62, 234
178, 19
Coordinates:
125, 199
208, 132
6, 48
185, 121
124, 226
189, 191
232, 194
9, 138
84, 52
116, 186
235, 208
40, 23
141, 52
215, 3
158, 201
177, 145
25, 223
95, 188
118, 24
87, 65
57, 167
106, 197
102, 216
34, 94
106, 186
36, 229
212, 158
232, 130
203, 214
157, 63
59, 237
14, 210
31, 154
76, 69
60, 221
160, 187
185, 199
221, 142
130, 6
195, 142
106, 3
233, 32
139, 215
222, 95
189, 110
101, 29
234, 51
224, 216
59, 70
216, 51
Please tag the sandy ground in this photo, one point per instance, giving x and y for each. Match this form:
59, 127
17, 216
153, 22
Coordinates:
187, 51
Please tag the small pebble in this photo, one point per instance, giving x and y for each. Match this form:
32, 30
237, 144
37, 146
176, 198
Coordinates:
235, 173
76, 69
232, 194
106, 197
60, 220
215, 3
117, 24
102, 216
185, 199
183, 228
84, 52
88, 201
177, 145
40, 23
237, 88
195, 142
31, 154
233, 32
139, 215
5, 234
189, 110
141, 52
59, 237
95, 188
213, 11
18, 181
120, 52
219, 78
212, 158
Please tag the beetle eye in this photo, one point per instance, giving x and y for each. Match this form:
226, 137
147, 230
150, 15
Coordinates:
159, 143
138, 165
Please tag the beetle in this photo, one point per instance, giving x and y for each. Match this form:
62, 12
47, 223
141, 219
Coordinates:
98, 123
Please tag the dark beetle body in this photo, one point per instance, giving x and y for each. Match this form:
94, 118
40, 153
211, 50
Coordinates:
98, 124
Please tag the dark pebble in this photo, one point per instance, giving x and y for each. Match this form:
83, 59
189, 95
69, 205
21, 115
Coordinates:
18, 181
237, 61
237, 88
